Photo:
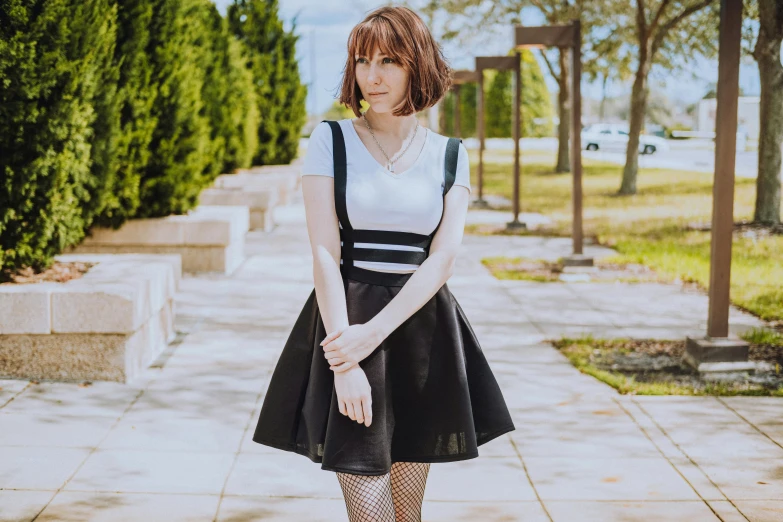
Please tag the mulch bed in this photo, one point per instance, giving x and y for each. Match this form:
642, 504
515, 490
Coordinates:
660, 362
550, 271
59, 272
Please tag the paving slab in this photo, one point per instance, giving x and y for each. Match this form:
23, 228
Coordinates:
78, 506
693, 511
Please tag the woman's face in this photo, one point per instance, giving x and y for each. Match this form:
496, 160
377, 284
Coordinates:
383, 75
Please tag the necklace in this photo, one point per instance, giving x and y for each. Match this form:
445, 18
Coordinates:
390, 162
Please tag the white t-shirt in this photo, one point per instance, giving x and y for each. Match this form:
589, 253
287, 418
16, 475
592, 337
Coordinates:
379, 200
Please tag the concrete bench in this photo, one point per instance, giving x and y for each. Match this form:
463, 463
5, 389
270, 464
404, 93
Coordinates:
108, 325
211, 238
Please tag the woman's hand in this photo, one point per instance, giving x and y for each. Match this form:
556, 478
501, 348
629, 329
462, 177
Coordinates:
344, 348
354, 397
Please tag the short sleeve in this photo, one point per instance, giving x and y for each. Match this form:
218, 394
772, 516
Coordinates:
463, 168
318, 158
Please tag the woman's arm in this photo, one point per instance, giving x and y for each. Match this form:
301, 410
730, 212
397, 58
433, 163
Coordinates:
344, 350
436, 269
323, 230
354, 398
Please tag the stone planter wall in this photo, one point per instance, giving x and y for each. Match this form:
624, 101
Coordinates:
108, 325
209, 238
284, 179
259, 201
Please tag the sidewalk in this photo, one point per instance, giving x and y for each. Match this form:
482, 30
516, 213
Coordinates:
176, 446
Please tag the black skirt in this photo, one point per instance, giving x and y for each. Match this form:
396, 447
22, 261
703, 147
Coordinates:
434, 397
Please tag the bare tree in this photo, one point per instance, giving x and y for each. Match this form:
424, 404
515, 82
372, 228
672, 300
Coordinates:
665, 32
767, 55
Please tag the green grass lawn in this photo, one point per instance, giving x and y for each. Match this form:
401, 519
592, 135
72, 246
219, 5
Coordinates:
651, 226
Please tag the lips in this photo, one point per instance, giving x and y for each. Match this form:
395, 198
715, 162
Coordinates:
377, 93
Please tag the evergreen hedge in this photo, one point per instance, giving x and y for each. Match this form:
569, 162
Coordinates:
53, 55
111, 110
279, 92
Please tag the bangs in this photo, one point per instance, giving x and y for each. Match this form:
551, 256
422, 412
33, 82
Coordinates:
399, 33
375, 33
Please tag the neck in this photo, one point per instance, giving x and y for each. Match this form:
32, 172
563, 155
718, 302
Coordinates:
387, 123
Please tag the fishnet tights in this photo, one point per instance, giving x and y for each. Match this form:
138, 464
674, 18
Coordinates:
394, 497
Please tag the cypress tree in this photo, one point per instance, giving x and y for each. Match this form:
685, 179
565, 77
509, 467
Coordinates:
535, 106
136, 94
499, 102
51, 55
294, 114
255, 24
279, 93
174, 174
229, 97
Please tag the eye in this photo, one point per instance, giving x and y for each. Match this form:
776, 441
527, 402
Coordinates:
387, 58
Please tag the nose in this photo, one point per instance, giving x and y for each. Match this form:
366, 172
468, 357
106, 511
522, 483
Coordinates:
373, 76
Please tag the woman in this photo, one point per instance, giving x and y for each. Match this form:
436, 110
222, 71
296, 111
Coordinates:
382, 374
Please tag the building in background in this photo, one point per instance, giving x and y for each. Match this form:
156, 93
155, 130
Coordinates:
747, 115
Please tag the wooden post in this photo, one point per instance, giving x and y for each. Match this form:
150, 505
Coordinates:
717, 346
576, 137
480, 129
725, 155
457, 130
515, 223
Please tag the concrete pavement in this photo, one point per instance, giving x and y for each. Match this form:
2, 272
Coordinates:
175, 445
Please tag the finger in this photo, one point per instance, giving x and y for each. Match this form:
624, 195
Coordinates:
331, 346
331, 336
367, 406
341, 407
342, 367
359, 412
351, 413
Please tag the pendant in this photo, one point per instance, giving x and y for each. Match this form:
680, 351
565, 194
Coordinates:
390, 167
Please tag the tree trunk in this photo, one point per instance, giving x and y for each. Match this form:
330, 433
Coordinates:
767, 54
564, 113
638, 109
602, 108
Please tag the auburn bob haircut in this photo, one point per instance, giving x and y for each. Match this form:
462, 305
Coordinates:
402, 35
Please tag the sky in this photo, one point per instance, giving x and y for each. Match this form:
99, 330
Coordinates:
324, 26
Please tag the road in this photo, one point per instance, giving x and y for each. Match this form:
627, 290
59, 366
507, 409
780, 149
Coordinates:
692, 155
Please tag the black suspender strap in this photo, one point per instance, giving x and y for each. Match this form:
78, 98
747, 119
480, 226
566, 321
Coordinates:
340, 184
449, 175
340, 173
452, 154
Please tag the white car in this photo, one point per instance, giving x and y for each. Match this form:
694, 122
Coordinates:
614, 137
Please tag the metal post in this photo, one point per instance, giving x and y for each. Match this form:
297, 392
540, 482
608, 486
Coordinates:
717, 346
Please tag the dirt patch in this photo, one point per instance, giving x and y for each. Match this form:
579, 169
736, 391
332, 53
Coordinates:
59, 272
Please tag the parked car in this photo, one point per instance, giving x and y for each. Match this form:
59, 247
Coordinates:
614, 137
